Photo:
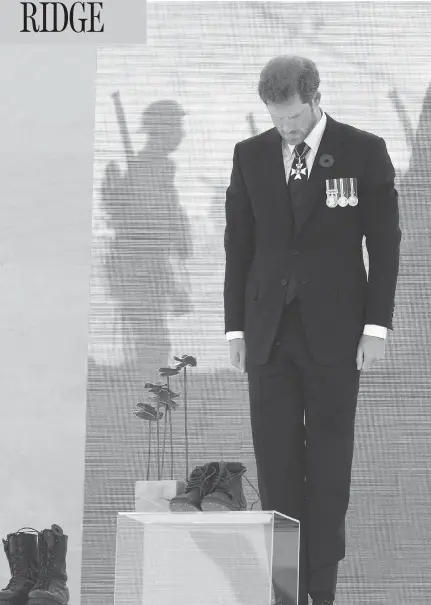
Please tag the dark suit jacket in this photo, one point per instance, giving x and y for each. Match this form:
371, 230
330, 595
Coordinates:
324, 252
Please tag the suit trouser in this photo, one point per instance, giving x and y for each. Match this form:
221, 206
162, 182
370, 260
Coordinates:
304, 469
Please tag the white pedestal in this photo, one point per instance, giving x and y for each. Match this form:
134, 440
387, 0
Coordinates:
226, 558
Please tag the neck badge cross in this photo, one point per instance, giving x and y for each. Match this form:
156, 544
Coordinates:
299, 169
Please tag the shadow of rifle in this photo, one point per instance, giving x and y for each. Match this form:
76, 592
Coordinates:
401, 111
124, 130
252, 124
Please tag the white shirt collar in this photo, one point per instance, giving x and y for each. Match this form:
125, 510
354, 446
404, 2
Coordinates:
315, 136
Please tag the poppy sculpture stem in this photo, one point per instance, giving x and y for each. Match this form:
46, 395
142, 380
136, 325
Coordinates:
149, 451
185, 421
158, 441
164, 442
172, 444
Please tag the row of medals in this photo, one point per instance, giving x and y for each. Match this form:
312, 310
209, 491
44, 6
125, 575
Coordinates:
332, 199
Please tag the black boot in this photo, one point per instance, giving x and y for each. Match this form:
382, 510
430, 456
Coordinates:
22, 555
199, 484
51, 584
227, 493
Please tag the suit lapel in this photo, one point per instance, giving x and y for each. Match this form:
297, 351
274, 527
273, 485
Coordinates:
275, 174
316, 187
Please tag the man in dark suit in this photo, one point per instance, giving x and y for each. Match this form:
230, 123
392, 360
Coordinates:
300, 315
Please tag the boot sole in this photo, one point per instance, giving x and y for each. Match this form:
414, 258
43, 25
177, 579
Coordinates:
183, 507
212, 504
44, 601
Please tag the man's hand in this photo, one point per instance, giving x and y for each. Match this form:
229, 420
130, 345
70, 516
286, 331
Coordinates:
370, 349
237, 353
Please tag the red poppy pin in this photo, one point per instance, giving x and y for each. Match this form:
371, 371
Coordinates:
326, 160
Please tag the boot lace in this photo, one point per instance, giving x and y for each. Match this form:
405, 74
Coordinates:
47, 556
14, 559
199, 477
252, 486
225, 482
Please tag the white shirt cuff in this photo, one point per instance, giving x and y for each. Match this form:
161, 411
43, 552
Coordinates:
372, 330
369, 330
232, 335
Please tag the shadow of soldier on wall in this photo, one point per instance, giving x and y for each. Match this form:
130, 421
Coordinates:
151, 230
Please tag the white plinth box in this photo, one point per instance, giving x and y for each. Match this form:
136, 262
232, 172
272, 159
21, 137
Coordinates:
154, 496
211, 558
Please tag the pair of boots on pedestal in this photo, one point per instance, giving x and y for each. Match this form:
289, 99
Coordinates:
215, 486
37, 562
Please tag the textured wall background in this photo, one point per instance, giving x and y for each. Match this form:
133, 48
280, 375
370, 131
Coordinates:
158, 262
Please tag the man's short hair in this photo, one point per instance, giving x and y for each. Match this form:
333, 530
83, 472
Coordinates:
285, 76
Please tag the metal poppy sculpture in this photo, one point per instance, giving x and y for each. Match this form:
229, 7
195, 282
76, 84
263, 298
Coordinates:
162, 398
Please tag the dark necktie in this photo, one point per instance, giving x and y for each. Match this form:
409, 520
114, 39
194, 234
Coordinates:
297, 186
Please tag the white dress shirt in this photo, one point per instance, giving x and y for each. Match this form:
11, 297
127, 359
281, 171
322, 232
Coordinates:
313, 142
